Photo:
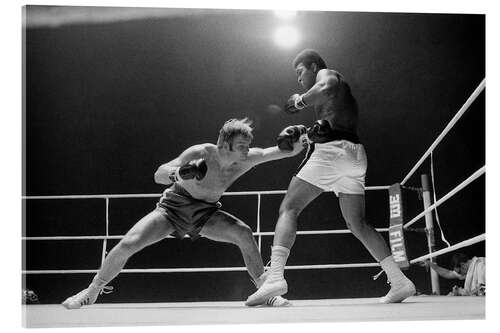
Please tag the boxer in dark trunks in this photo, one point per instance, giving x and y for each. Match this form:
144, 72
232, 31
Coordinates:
189, 206
338, 163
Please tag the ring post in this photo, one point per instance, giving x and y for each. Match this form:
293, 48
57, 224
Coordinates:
429, 227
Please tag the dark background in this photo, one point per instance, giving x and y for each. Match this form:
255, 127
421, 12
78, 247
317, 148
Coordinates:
107, 103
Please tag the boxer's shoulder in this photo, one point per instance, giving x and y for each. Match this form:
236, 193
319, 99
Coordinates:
205, 149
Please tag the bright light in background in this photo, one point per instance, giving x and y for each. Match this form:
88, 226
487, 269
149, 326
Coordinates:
285, 14
286, 36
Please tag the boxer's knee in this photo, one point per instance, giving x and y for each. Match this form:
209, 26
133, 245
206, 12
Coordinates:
358, 227
289, 209
130, 244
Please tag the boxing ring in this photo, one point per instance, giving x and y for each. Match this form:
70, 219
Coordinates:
326, 310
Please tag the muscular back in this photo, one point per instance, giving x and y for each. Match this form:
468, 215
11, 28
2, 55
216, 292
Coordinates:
340, 107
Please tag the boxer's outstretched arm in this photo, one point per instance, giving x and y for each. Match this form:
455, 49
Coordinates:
162, 174
445, 273
262, 155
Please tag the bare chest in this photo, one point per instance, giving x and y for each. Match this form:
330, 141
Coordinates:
220, 179
215, 183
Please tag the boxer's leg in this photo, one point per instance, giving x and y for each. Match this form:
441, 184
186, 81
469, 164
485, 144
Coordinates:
150, 229
353, 211
299, 194
224, 227
352, 207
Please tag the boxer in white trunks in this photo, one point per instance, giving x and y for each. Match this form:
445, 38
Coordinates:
338, 163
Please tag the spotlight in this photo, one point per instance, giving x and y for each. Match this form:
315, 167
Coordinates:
286, 36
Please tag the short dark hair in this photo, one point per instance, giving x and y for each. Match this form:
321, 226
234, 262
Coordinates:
307, 57
234, 127
457, 259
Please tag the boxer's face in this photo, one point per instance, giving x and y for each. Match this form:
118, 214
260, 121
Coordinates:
306, 77
239, 148
462, 268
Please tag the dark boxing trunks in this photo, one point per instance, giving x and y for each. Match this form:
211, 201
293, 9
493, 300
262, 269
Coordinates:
187, 214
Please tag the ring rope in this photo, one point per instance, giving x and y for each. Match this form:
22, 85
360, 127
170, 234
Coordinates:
196, 270
459, 114
460, 245
156, 195
466, 182
261, 233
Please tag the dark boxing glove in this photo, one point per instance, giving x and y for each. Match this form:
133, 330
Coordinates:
294, 104
289, 136
196, 169
319, 132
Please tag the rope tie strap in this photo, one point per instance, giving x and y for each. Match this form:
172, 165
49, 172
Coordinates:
106, 290
419, 191
376, 276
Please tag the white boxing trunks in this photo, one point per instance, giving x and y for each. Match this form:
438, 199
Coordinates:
338, 166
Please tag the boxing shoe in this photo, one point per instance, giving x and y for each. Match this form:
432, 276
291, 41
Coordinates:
87, 296
399, 291
269, 289
277, 302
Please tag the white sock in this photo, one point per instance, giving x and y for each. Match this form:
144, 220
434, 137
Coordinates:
392, 269
279, 256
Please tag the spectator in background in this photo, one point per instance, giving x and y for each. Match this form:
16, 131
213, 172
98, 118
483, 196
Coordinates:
29, 297
473, 271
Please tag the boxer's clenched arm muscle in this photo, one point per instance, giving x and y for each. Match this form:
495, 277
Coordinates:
325, 87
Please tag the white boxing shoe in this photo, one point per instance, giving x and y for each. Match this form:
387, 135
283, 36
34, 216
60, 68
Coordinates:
400, 291
278, 302
268, 290
87, 296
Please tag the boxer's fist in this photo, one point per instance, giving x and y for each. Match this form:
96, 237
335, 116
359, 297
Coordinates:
294, 104
319, 131
196, 169
289, 136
